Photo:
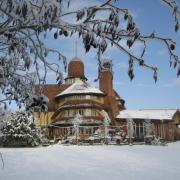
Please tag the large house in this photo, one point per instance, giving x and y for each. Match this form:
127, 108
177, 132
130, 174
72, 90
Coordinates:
77, 98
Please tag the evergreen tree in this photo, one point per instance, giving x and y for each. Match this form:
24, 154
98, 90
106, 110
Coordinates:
20, 130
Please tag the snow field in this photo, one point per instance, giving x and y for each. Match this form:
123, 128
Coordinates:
138, 162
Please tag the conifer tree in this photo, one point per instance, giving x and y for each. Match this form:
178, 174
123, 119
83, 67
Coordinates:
20, 130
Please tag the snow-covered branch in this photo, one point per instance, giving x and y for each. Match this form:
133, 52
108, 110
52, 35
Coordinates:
24, 22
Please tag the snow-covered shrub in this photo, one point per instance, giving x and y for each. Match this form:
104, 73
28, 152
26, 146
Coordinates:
120, 137
20, 130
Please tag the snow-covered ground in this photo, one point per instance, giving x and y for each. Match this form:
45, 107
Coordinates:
59, 162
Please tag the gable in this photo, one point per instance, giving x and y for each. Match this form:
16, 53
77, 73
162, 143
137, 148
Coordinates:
176, 118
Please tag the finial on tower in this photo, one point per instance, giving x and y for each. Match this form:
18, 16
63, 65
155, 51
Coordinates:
75, 48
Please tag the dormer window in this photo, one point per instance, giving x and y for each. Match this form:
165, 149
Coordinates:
71, 81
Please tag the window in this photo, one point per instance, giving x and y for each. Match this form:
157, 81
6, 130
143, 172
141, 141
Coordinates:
76, 97
89, 130
81, 129
73, 112
94, 112
81, 112
93, 97
71, 81
66, 113
79, 97
139, 130
63, 113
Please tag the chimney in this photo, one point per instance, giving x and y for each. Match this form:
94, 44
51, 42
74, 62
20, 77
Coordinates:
106, 86
106, 78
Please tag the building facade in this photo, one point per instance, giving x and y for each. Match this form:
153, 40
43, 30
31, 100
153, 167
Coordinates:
166, 122
77, 98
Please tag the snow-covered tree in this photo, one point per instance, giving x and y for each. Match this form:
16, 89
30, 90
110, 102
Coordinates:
106, 123
149, 128
130, 130
3, 115
20, 130
149, 131
76, 122
24, 25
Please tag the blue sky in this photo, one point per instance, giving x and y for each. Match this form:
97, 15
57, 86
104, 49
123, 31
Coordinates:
142, 92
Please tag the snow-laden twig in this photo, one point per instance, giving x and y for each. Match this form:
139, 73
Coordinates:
25, 24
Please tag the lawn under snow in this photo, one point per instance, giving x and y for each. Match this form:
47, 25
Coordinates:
138, 162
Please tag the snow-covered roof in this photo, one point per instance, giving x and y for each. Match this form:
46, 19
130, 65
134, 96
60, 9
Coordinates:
156, 114
80, 87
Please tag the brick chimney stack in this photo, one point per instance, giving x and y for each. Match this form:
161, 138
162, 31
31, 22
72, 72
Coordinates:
111, 99
106, 78
106, 82
106, 86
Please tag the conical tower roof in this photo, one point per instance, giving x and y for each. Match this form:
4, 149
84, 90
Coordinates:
80, 87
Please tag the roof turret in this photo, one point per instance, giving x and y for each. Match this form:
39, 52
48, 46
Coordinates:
76, 68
